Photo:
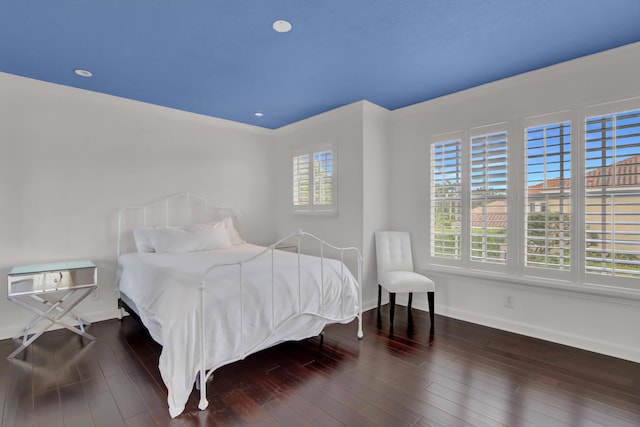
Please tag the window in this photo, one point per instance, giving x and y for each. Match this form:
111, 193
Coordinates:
548, 196
468, 208
488, 185
446, 199
314, 181
612, 194
558, 204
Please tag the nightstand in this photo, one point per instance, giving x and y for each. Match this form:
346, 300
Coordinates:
51, 291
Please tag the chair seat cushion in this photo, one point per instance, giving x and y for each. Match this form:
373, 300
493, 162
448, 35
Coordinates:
406, 281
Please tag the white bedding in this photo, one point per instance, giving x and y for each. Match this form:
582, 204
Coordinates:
165, 289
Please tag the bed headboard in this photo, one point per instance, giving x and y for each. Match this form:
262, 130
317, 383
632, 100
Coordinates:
176, 210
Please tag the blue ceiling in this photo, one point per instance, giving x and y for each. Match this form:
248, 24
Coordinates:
222, 58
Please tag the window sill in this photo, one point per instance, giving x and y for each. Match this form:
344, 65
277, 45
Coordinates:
617, 293
314, 212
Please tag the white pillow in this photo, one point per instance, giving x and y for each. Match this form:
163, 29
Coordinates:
190, 238
234, 236
227, 223
215, 236
142, 237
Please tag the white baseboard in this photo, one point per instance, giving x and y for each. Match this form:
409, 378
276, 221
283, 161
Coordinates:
368, 305
582, 342
7, 332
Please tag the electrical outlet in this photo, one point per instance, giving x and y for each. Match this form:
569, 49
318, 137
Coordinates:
508, 301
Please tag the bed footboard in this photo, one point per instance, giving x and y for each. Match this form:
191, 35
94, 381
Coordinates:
244, 352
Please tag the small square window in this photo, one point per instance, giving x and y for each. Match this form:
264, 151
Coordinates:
314, 189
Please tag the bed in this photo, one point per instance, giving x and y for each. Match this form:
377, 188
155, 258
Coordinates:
209, 298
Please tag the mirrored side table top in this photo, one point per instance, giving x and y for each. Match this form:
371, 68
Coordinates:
52, 291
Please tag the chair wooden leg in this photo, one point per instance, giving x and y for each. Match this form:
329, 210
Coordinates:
392, 310
410, 301
379, 296
432, 313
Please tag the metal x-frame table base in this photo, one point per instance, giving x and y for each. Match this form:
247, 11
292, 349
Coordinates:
54, 313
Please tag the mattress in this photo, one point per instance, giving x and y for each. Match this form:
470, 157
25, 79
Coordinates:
240, 319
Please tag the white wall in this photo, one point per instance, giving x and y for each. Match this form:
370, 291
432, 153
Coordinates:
69, 159
375, 214
360, 134
598, 323
342, 127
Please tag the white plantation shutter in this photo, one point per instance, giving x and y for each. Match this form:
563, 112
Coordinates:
301, 180
323, 178
612, 194
488, 189
446, 199
314, 182
548, 196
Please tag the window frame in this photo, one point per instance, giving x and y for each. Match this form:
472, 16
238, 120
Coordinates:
609, 108
575, 279
482, 131
460, 137
539, 121
311, 208
465, 137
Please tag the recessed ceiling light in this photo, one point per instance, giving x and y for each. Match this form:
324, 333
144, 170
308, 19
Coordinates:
282, 26
83, 73
258, 114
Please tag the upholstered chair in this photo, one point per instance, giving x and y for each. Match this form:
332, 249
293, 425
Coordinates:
395, 271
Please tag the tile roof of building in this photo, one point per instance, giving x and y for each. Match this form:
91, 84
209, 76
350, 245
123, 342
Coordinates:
626, 174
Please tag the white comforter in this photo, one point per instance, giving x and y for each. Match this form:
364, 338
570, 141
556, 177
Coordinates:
165, 289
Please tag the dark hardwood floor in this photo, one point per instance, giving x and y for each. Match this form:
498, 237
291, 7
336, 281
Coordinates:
461, 375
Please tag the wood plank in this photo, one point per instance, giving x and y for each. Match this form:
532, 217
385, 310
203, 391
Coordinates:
75, 407
126, 396
247, 409
141, 420
18, 404
48, 409
105, 410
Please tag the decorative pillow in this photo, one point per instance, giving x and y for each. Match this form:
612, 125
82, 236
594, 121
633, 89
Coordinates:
215, 236
142, 237
227, 223
191, 238
234, 236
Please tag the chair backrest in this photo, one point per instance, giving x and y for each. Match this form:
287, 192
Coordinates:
393, 251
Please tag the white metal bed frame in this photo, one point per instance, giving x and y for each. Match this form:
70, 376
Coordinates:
186, 213
176, 210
